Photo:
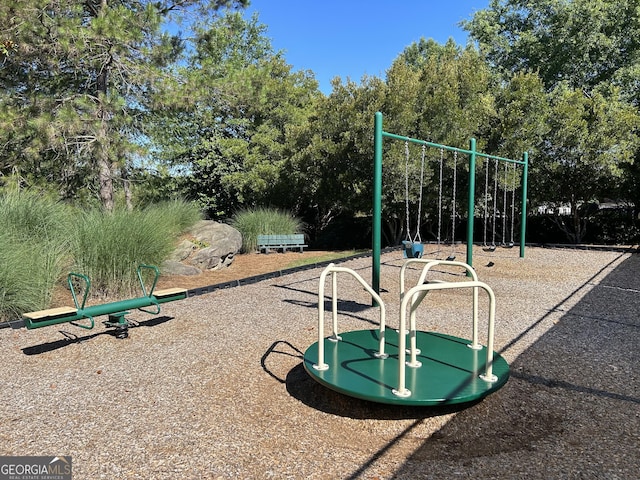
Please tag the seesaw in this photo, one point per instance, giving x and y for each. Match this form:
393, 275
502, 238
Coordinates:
372, 364
116, 311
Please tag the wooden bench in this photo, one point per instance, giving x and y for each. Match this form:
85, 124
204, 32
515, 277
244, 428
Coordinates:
280, 242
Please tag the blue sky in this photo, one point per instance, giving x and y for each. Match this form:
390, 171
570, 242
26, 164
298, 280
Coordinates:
350, 38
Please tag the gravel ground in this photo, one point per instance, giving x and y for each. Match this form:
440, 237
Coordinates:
214, 387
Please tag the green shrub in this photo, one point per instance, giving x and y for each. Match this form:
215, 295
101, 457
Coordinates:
108, 247
264, 221
32, 215
176, 215
28, 274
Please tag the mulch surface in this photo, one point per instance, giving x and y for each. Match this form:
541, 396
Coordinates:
214, 387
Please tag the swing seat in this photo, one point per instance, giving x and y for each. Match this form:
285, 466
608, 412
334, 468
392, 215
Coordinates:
412, 249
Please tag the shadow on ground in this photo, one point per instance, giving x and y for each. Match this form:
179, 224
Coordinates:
571, 408
301, 386
70, 338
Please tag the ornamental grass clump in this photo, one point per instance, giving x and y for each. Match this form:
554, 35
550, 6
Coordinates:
34, 250
108, 247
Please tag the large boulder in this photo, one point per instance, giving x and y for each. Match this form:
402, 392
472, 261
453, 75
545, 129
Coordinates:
209, 246
171, 267
183, 250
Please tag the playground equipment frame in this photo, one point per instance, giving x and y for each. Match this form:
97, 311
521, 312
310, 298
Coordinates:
472, 153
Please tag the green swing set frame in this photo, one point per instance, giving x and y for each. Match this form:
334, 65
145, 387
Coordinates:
473, 154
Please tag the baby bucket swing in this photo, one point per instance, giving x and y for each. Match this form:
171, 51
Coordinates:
412, 246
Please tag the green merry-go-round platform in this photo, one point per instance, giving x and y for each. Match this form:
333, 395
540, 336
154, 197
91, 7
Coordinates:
449, 374
407, 366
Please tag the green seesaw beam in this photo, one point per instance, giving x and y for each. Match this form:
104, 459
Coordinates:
116, 310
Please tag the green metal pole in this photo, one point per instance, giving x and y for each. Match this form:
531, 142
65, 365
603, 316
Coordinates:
377, 203
523, 222
472, 200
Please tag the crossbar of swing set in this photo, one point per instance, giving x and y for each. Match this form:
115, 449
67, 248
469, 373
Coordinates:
379, 134
451, 149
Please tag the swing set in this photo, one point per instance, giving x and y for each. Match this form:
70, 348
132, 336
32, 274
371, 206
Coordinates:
412, 246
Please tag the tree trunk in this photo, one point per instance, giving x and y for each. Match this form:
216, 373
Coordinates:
105, 166
126, 186
105, 177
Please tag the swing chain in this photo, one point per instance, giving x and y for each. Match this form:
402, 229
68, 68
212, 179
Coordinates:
513, 200
495, 206
453, 198
417, 238
486, 203
504, 207
406, 187
440, 198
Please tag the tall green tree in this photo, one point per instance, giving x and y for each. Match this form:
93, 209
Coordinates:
333, 173
590, 143
239, 128
582, 43
449, 92
521, 122
444, 94
76, 80
587, 55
